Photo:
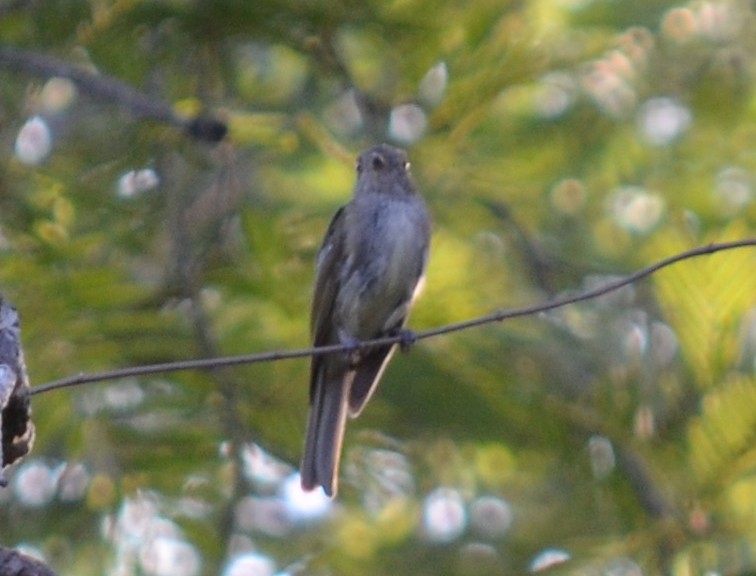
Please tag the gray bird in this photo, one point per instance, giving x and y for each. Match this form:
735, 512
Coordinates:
369, 271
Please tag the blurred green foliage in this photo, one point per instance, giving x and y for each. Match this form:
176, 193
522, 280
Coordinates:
558, 144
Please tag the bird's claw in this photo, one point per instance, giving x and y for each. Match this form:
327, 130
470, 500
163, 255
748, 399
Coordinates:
352, 348
407, 339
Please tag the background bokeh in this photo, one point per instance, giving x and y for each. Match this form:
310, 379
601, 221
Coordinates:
559, 144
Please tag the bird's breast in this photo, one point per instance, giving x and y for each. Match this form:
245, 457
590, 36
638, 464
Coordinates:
403, 245
389, 241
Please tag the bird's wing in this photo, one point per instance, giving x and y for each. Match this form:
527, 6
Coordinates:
330, 376
327, 285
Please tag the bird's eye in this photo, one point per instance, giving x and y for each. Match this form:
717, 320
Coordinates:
378, 162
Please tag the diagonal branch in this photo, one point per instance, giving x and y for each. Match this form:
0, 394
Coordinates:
112, 90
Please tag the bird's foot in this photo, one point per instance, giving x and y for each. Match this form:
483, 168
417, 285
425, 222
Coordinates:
352, 348
407, 339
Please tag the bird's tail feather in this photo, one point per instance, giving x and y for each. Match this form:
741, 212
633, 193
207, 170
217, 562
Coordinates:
367, 376
325, 431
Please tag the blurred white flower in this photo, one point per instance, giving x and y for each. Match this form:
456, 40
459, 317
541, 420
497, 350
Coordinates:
262, 468
165, 556
444, 515
548, 559
636, 209
555, 95
250, 564
57, 94
609, 88
135, 182
432, 87
34, 141
717, 21
663, 120
35, 484
407, 123
304, 506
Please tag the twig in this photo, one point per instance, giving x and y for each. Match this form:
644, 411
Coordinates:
580, 297
498, 316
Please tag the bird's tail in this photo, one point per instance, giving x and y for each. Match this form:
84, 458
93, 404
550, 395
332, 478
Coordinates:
325, 431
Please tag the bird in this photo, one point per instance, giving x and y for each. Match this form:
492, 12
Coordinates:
370, 269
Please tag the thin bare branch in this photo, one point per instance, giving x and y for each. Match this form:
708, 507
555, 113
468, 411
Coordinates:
498, 316
586, 295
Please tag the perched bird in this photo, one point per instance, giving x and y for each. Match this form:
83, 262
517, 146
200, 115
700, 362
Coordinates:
369, 270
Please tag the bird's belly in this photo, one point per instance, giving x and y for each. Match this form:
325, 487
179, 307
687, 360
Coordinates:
384, 288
